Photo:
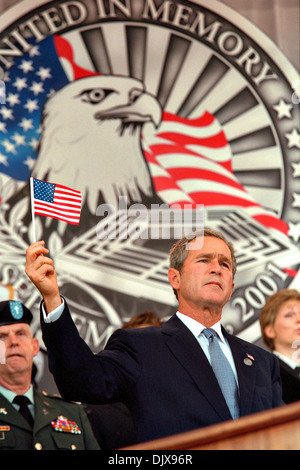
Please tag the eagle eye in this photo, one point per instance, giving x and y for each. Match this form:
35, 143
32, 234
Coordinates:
94, 95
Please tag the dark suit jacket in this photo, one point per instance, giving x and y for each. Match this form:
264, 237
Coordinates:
160, 373
290, 382
16, 434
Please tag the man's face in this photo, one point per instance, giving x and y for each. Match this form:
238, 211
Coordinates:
206, 277
20, 349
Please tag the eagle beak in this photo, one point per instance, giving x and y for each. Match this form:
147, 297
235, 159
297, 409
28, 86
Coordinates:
144, 108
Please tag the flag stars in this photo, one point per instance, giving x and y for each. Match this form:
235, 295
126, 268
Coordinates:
3, 160
26, 124
44, 73
31, 105
9, 146
43, 191
37, 88
19, 139
2, 92
34, 143
3, 127
29, 162
34, 51
28, 83
26, 66
6, 112
20, 83
13, 99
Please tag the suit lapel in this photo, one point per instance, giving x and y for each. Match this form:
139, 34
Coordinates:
185, 347
246, 368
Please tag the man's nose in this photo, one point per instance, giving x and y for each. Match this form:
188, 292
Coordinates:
215, 267
12, 339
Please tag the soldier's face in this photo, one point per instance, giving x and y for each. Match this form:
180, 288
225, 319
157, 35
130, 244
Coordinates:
18, 348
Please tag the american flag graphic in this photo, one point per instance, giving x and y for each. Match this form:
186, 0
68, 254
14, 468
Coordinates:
191, 163
56, 201
189, 159
29, 83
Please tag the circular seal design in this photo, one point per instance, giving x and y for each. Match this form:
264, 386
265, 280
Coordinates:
178, 103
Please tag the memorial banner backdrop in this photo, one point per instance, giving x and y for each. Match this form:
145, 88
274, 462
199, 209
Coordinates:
164, 115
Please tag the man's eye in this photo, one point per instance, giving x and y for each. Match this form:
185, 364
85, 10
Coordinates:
226, 265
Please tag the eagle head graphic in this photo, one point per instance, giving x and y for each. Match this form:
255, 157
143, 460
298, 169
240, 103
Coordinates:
91, 138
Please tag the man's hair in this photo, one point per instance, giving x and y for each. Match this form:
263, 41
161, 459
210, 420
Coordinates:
179, 251
270, 311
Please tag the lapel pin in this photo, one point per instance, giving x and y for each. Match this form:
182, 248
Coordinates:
250, 357
3, 411
248, 361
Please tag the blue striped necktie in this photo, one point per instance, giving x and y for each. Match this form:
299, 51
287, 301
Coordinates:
223, 372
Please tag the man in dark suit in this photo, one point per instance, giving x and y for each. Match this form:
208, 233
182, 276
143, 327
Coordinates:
48, 422
163, 374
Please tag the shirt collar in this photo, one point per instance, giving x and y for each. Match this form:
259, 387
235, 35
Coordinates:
287, 360
10, 395
196, 327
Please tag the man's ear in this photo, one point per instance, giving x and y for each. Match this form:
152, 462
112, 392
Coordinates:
174, 278
36, 346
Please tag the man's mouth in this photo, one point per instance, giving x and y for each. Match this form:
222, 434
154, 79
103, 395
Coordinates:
214, 283
13, 355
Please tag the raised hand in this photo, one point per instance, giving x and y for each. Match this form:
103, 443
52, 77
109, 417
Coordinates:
41, 271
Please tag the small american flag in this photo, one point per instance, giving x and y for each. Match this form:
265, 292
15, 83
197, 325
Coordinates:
56, 201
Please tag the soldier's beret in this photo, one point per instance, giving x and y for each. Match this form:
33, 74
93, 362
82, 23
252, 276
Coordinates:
13, 311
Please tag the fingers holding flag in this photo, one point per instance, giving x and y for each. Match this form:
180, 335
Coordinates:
41, 271
58, 202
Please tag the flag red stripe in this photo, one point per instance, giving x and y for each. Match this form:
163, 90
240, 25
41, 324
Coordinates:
64, 219
220, 199
58, 213
205, 120
52, 207
196, 173
59, 200
64, 190
215, 141
272, 222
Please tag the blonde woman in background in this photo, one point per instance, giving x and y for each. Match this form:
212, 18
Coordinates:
280, 327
